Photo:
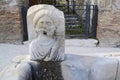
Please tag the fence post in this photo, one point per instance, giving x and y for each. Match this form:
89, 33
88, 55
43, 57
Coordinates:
87, 21
41, 1
68, 6
24, 13
54, 2
94, 20
74, 6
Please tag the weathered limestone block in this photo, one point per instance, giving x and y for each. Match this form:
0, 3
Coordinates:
117, 57
89, 68
106, 4
74, 67
46, 29
10, 22
117, 4
57, 17
81, 42
108, 32
104, 69
118, 72
16, 71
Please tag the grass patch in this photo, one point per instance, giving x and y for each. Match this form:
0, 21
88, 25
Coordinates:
76, 30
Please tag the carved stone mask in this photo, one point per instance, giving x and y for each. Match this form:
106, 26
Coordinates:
48, 25
45, 26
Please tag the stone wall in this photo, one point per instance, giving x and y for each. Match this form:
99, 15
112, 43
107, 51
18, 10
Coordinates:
108, 32
11, 29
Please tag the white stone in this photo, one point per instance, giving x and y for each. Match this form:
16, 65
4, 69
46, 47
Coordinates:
74, 71
16, 71
117, 57
12, 2
81, 42
21, 58
77, 67
106, 4
104, 69
74, 67
118, 72
89, 68
49, 10
46, 30
117, 4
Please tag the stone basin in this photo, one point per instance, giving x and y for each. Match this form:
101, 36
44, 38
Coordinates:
74, 67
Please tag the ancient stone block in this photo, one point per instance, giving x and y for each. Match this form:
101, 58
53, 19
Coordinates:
10, 24
74, 67
16, 71
104, 69
108, 32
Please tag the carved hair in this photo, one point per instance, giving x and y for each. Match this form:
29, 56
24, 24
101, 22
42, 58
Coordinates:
49, 11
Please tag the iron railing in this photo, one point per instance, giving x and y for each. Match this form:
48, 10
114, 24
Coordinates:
80, 20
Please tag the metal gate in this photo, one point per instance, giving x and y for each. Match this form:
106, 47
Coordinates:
80, 20
24, 21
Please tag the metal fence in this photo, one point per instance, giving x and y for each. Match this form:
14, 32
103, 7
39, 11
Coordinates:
80, 20
91, 20
24, 21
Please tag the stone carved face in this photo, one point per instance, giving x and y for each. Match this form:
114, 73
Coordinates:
45, 26
48, 25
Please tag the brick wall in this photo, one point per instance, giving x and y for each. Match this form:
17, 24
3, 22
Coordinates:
108, 32
11, 29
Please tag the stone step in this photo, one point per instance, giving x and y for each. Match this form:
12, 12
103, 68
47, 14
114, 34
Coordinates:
72, 22
71, 18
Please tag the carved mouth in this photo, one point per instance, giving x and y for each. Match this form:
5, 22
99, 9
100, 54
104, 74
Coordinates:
44, 32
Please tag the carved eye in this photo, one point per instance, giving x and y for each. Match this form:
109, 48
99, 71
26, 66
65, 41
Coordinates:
41, 22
